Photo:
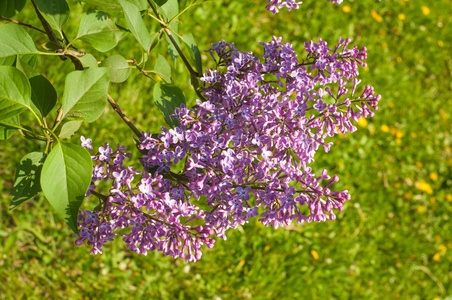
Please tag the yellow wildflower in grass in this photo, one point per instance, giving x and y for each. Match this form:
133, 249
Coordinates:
346, 9
376, 16
443, 249
424, 186
425, 10
443, 114
432, 199
402, 17
407, 195
384, 128
362, 122
448, 197
436, 257
419, 165
315, 254
440, 43
420, 208
434, 176
437, 238
399, 59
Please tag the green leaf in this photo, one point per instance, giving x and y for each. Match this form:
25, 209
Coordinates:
135, 23
194, 51
110, 6
29, 59
169, 8
168, 98
119, 68
69, 128
9, 8
160, 2
98, 30
155, 39
171, 48
14, 40
8, 127
88, 61
43, 94
85, 93
55, 12
141, 4
65, 178
51, 46
15, 92
28, 174
163, 69
8, 61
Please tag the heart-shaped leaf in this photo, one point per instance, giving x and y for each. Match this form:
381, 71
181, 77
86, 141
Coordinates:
65, 178
119, 68
85, 93
88, 61
43, 94
14, 40
15, 92
69, 128
98, 30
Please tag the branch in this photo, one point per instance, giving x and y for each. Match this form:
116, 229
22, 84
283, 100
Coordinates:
173, 41
20, 23
118, 110
48, 29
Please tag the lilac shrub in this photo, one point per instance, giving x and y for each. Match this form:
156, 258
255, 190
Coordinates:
243, 151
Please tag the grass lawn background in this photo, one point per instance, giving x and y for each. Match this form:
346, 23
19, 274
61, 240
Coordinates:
393, 239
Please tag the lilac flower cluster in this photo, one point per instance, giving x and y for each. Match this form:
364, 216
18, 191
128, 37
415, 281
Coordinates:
244, 152
275, 5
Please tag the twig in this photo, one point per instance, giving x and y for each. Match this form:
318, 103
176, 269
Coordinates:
173, 41
20, 23
118, 110
48, 29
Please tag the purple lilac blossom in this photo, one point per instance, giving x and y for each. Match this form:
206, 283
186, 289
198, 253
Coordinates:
275, 5
244, 152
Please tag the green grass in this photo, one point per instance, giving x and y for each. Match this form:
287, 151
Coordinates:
387, 242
